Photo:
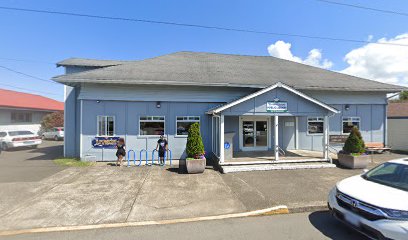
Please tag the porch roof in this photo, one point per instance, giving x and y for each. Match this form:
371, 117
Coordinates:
223, 107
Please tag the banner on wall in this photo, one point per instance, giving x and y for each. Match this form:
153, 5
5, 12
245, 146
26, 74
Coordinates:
276, 107
104, 142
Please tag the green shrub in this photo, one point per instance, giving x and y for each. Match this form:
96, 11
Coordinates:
195, 146
354, 142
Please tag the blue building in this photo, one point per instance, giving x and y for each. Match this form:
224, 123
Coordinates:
248, 103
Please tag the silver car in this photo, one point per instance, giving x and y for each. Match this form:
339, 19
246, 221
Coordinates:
56, 133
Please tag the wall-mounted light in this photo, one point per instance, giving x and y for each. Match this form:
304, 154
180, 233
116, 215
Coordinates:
276, 99
158, 104
98, 101
347, 107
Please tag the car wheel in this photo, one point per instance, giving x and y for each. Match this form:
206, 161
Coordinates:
34, 146
4, 146
43, 137
56, 138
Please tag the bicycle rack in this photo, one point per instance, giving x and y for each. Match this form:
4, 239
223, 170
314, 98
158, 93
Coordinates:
167, 157
128, 157
147, 160
158, 160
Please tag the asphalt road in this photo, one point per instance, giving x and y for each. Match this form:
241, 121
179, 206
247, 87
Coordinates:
29, 164
316, 225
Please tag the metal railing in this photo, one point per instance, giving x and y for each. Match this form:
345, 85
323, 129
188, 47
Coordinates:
281, 151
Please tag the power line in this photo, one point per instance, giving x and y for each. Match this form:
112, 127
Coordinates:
28, 75
24, 60
365, 8
199, 26
29, 90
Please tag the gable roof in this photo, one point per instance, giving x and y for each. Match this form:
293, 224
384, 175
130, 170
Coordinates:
210, 69
265, 90
397, 109
13, 99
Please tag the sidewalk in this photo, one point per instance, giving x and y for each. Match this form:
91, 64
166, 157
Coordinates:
107, 194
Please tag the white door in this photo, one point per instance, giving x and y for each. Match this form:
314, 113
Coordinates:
254, 134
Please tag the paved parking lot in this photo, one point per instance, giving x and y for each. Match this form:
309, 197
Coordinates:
29, 164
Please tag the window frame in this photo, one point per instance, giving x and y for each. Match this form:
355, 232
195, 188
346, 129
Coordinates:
192, 121
317, 120
352, 120
106, 125
152, 116
28, 115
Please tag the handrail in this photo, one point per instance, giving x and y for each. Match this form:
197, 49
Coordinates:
281, 151
158, 160
330, 147
147, 160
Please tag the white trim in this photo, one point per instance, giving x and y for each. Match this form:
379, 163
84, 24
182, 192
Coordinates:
307, 126
221, 138
296, 133
279, 84
276, 130
106, 125
254, 119
352, 120
147, 136
80, 130
189, 121
65, 117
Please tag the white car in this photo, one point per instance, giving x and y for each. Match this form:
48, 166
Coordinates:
18, 138
56, 133
376, 202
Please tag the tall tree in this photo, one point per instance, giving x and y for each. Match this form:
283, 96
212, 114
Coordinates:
55, 119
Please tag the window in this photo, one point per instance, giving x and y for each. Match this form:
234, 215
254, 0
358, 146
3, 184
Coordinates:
315, 125
3, 134
184, 123
349, 123
20, 117
106, 125
151, 125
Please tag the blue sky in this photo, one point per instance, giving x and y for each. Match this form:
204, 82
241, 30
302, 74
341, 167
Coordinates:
47, 39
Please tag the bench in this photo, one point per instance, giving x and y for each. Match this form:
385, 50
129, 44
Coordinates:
377, 147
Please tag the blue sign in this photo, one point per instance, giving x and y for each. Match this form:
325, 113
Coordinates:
227, 145
105, 142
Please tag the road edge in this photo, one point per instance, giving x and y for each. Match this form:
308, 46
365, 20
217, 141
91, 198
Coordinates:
280, 209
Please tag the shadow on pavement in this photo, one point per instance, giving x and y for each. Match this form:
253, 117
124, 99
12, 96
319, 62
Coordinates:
331, 228
48, 153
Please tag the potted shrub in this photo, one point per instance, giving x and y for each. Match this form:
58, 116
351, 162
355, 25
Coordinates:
353, 154
195, 162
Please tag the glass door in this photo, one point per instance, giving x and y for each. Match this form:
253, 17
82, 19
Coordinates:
254, 134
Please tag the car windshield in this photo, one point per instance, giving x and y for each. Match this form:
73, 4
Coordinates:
390, 174
16, 133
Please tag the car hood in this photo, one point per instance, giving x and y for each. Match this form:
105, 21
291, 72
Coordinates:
373, 193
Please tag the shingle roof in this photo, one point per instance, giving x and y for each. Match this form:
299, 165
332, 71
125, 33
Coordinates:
13, 99
397, 109
211, 69
89, 62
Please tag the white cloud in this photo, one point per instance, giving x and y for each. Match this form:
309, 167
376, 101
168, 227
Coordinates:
383, 63
281, 49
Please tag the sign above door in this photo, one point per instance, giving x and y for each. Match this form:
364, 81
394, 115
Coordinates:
277, 107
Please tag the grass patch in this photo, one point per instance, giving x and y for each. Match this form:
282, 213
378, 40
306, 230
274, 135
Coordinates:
72, 162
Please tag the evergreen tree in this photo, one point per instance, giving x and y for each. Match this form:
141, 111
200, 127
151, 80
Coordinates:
195, 146
354, 142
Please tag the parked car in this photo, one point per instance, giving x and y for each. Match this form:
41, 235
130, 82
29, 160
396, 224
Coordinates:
18, 138
374, 203
56, 133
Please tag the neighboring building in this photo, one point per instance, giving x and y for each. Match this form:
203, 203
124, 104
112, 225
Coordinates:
24, 111
265, 102
398, 125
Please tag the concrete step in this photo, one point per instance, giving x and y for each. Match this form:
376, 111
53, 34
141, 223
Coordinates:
308, 160
268, 167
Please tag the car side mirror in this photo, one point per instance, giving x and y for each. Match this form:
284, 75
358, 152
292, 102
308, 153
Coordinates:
365, 170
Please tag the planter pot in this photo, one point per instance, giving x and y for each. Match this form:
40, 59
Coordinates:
353, 162
195, 165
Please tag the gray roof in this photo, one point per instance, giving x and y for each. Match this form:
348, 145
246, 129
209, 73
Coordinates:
83, 62
211, 69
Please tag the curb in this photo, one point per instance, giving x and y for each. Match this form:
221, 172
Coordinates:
281, 209
311, 208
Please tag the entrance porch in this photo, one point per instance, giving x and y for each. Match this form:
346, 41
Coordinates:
257, 130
